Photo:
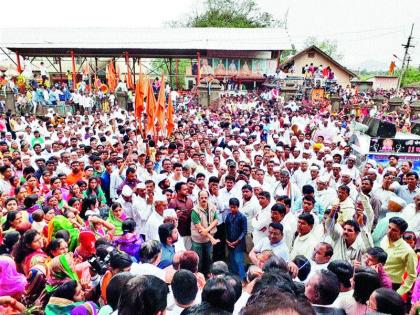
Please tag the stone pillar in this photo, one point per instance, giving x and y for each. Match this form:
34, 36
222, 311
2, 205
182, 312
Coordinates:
10, 101
209, 92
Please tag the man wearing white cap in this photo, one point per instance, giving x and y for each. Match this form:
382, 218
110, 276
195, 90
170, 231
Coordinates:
156, 217
133, 209
346, 179
314, 173
302, 176
335, 181
323, 193
351, 167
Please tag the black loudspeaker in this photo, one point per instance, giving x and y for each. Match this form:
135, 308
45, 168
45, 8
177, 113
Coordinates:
415, 128
381, 129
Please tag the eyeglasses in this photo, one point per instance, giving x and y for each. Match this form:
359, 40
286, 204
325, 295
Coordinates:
408, 237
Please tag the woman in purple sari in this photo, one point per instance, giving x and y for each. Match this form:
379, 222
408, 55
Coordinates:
129, 242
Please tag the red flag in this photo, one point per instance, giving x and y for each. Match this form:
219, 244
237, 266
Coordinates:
170, 124
150, 109
160, 110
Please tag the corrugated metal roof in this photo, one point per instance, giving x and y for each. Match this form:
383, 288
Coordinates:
252, 39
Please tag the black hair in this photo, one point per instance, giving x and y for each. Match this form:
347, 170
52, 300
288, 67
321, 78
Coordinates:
304, 267
236, 283
400, 222
345, 188
146, 295
53, 245
265, 194
64, 234
366, 280
275, 263
275, 301
114, 288
378, 253
273, 279
279, 208
247, 187
307, 189
128, 226
165, 231
234, 202
307, 217
178, 186
277, 226
220, 293
11, 216
328, 287
389, 302
149, 251
343, 270
120, 260
67, 290
354, 224
21, 249
184, 286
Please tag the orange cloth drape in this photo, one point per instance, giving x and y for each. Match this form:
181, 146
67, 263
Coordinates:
170, 124
111, 77
160, 110
139, 100
150, 109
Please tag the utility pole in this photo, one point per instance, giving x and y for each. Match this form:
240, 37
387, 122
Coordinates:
407, 47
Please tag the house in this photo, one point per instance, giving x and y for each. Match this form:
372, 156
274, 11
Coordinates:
384, 82
317, 57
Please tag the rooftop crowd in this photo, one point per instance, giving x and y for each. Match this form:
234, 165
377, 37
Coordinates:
259, 207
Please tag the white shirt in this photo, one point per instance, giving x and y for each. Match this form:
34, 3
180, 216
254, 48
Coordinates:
152, 226
147, 269
260, 223
279, 249
303, 245
249, 209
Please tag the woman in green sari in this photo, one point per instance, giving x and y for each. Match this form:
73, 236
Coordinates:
65, 298
61, 270
116, 218
60, 222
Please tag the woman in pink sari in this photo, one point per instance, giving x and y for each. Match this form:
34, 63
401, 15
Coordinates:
31, 261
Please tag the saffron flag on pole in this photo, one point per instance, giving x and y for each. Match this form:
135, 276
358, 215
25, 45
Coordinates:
160, 110
170, 123
139, 99
150, 109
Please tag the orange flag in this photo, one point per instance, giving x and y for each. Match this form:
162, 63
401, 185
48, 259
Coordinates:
391, 68
170, 124
160, 110
129, 80
150, 110
139, 100
112, 80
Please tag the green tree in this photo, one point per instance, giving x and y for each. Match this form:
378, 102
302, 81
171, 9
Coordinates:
327, 46
410, 76
230, 13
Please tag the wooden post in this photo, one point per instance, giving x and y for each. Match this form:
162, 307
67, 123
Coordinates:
198, 69
19, 68
177, 74
134, 70
73, 62
59, 67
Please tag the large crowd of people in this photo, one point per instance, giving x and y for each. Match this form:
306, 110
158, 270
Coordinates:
256, 207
